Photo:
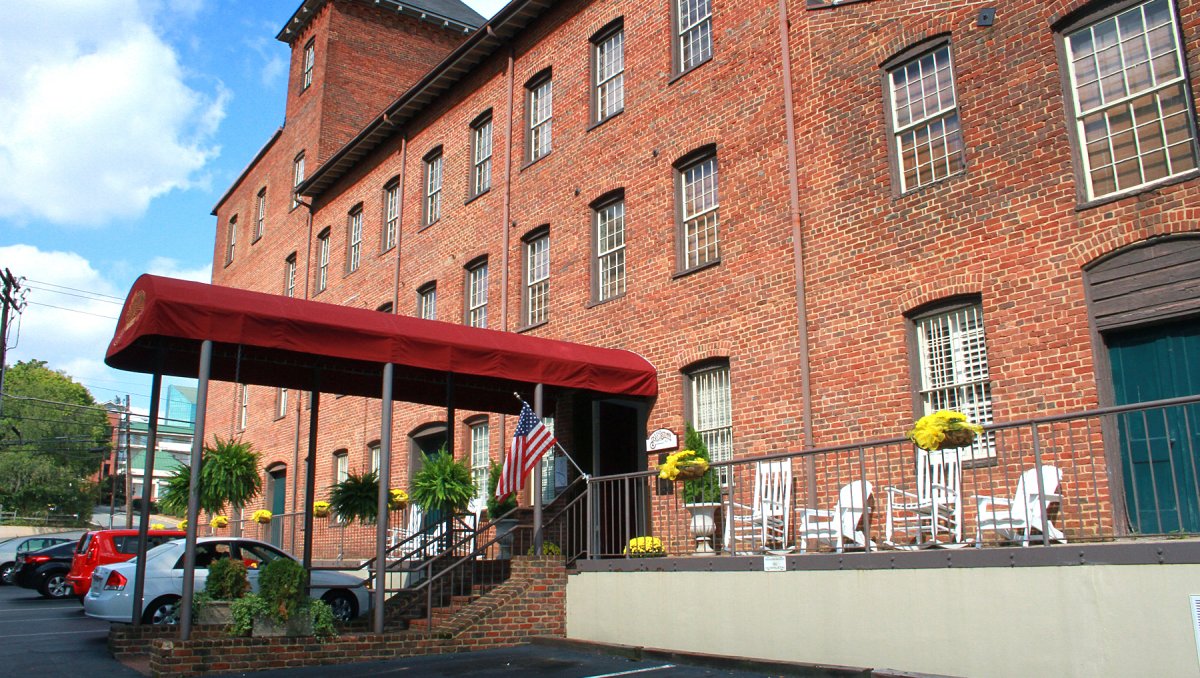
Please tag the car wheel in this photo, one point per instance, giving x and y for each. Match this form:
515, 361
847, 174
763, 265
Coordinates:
6, 572
344, 606
56, 586
162, 611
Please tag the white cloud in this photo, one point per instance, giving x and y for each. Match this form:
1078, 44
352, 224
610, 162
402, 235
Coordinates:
173, 268
96, 118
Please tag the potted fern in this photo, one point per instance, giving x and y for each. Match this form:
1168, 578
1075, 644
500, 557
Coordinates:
499, 511
228, 475
356, 497
442, 487
702, 495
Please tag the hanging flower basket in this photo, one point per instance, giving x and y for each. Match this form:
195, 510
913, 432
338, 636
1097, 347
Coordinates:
942, 430
218, 522
683, 465
398, 501
320, 509
182, 525
261, 516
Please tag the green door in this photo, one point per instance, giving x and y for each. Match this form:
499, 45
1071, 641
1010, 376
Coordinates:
1159, 448
277, 490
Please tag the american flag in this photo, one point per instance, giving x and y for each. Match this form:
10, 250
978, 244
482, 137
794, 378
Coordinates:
530, 442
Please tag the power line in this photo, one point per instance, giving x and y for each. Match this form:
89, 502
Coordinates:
74, 289
72, 310
78, 296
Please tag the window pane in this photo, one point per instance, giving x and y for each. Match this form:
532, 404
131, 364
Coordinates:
700, 220
694, 32
610, 250
954, 368
925, 119
712, 413
537, 280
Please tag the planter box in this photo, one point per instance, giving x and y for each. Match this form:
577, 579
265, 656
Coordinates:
215, 612
298, 625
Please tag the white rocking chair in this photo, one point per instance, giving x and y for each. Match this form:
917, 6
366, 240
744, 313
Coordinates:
1018, 518
935, 507
764, 523
841, 526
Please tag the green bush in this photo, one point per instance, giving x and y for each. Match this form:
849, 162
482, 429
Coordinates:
226, 579
282, 584
549, 548
496, 507
706, 488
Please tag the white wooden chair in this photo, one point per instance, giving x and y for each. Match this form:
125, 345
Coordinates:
841, 526
935, 508
1017, 519
764, 523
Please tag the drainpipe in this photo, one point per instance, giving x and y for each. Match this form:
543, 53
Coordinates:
399, 223
507, 212
797, 243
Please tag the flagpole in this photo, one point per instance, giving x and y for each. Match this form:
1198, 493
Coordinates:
537, 481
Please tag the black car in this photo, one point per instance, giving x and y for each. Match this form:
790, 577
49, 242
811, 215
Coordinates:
46, 570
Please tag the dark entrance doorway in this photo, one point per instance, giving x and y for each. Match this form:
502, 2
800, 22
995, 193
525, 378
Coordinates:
1159, 449
618, 431
425, 441
277, 495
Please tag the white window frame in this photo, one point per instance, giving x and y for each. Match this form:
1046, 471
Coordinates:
341, 466
260, 216
297, 178
934, 134
289, 276
477, 295
433, 187
541, 118
699, 199
354, 240
231, 240
693, 33
323, 261
953, 368
244, 408
391, 215
609, 224
537, 279
427, 302
281, 403
1130, 117
608, 91
480, 457
481, 157
310, 60
711, 411
374, 452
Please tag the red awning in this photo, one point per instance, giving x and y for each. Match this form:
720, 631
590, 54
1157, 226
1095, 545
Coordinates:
278, 341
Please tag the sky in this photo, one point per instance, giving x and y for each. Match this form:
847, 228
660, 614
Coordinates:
122, 122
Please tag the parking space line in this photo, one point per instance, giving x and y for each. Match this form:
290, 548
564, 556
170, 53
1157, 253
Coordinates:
19, 620
628, 673
59, 633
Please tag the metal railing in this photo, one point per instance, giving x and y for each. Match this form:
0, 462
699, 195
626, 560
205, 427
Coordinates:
1121, 472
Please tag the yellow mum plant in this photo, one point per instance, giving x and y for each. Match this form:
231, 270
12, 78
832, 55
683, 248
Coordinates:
218, 522
645, 547
261, 516
320, 509
398, 499
157, 526
944, 428
182, 525
683, 465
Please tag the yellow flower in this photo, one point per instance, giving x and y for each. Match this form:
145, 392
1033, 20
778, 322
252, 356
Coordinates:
157, 526
645, 546
677, 461
320, 508
182, 525
218, 522
398, 499
261, 516
930, 430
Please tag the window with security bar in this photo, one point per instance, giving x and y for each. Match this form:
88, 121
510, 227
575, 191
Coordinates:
427, 302
699, 201
541, 118
926, 132
608, 56
1131, 105
480, 458
391, 215
354, 241
481, 156
711, 412
477, 293
952, 350
610, 251
537, 279
433, 187
693, 30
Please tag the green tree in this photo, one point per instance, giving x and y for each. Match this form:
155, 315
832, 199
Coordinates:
52, 438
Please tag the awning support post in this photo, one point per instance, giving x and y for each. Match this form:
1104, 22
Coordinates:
139, 581
310, 472
381, 523
537, 480
189, 551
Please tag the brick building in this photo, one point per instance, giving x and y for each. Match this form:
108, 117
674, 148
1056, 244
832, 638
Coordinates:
816, 220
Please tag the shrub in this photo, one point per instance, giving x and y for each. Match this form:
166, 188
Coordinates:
227, 579
549, 548
282, 583
706, 488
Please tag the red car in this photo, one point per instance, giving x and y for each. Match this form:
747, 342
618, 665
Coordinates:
102, 547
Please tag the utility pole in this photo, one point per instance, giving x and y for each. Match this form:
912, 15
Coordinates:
12, 298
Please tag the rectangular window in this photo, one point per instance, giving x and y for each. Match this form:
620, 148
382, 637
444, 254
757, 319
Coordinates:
341, 467
480, 458
925, 127
322, 261
281, 403
297, 178
354, 240
481, 156
310, 58
610, 251
537, 279
693, 30
1130, 100
608, 55
289, 276
230, 240
373, 454
541, 117
952, 354
260, 214
699, 201
712, 411
391, 215
244, 408
427, 302
433, 187
477, 293
553, 469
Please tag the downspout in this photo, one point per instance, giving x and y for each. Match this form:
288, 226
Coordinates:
507, 212
399, 223
797, 243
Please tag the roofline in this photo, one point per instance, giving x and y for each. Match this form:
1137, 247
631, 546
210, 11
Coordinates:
246, 170
310, 8
508, 22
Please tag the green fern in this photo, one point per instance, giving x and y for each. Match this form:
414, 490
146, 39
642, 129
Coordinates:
443, 485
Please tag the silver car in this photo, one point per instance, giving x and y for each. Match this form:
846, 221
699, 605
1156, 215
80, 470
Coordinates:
16, 546
111, 594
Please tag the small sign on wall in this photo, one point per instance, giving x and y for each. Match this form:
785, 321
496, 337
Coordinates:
774, 564
662, 439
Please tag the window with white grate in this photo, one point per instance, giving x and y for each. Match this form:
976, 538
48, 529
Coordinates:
297, 178
952, 354
699, 201
610, 250
481, 156
925, 127
608, 57
427, 301
354, 237
477, 295
391, 215
541, 117
260, 214
693, 31
433, 187
310, 59
289, 275
1130, 100
323, 260
537, 278
711, 411
480, 457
